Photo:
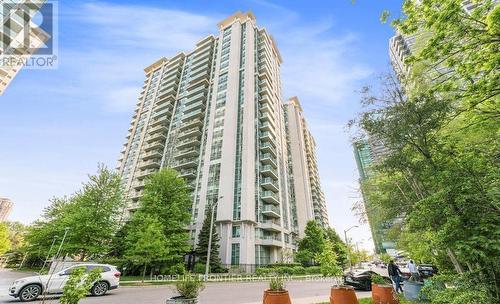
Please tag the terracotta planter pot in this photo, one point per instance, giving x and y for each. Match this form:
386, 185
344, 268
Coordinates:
384, 294
276, 297
343, 295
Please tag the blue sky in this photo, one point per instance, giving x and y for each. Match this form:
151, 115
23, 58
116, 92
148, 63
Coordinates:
56, 125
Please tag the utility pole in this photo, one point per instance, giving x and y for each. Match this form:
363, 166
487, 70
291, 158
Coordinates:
349, 248
207, 265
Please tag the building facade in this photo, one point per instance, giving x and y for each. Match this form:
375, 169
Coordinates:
14, 15
367, 153
5, 208
303, 168
216, 116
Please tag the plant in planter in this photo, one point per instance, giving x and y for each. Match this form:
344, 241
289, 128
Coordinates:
188, 288
276, 294
329, 266
382, 291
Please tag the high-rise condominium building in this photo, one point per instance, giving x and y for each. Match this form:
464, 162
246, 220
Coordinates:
367, 153
303, 168
5, 208
216, 116
14, 48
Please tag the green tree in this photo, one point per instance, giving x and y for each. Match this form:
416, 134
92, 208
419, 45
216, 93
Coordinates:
17, 233
79, 284
91, 216
328, 260
5, 244
437, 175
146, 243
311, 245
459, 53
339, 247
167, 201
202, 246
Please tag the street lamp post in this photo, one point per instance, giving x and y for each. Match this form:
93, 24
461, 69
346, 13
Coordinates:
207, 265
347, 244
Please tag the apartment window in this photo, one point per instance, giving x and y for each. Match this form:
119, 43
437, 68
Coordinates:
236, 231
235, 254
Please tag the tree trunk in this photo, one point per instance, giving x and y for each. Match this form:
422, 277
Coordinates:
453, 258
144, 272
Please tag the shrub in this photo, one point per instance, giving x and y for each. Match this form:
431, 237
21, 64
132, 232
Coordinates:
313, 270
378, 279
178, 269
297, 270
199, 268
275, 265
190, 287
263, 271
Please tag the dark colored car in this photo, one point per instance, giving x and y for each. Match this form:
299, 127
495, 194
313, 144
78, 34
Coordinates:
361, 280
426, 270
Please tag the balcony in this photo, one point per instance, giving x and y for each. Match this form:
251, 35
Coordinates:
264, 92
265, 108
156, 137
268, 148
153, 146
189, 142
135, 195
156, 121
269, 184
266, 117
199, 105
265, 100
156, 129
267, 136
196, 98
268, 240
203, 73
269, 171
270, 226
185, 163
152, 155
195, 90
270, 197
163, 113
268, 159
145, 173
189, 124
150, 164
191, 152
192, 115
271, 211
187, 173
267, 126
193, 132
264, 69
138, 185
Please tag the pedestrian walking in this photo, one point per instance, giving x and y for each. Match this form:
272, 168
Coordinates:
413, 270
395, 274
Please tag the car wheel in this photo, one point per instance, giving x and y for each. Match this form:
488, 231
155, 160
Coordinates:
100, 288
368, 286
30, 293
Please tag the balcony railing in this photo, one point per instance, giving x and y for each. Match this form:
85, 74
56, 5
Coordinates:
270, 197
271, 211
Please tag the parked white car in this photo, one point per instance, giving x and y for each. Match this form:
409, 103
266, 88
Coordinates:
30, 288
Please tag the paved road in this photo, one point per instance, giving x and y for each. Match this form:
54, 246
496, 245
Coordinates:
302, 292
